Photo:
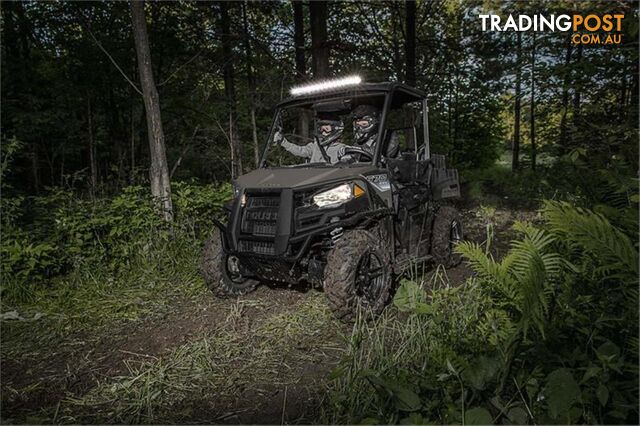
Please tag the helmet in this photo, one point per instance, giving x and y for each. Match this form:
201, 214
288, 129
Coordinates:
365, 122
328, 130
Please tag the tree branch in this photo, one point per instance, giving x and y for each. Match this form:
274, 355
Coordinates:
184, 151
166, 80
113, 61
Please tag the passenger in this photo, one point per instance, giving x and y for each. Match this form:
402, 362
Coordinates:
366, 119
328, 133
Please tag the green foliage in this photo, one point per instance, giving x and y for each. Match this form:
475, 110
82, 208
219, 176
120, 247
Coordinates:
561, 392
478, 416
547, 334
66, 233
524, 278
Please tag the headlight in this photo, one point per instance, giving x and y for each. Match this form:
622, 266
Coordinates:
338, 195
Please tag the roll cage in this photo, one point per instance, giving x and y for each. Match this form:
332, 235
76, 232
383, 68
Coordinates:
395, 94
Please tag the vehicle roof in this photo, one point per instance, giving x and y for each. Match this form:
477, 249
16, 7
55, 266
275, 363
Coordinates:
362, 89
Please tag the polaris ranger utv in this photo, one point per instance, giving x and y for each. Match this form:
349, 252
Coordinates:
350, 222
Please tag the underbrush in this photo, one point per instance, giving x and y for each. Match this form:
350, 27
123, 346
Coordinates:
572, 177
546, 335
76, 264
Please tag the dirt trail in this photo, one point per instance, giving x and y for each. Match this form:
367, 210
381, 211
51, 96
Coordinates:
33, 387
81, 364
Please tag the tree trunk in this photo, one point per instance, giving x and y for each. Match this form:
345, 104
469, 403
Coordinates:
159, 170
633, 96
229, 89
319, 45
515, 160
533, 102
565, 99
251, 83
133, 146
410, 42
35, 169
576, 93
298, 39
301, 69
93, 182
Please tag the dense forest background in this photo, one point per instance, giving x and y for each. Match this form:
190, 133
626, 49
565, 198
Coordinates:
71, 94
108, 108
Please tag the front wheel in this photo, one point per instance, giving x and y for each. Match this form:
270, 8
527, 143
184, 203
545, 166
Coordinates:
358, 273
221, 272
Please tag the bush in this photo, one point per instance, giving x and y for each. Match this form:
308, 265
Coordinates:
548, 335
572, 177
59, 232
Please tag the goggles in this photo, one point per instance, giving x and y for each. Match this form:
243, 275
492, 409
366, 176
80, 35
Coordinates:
363, 122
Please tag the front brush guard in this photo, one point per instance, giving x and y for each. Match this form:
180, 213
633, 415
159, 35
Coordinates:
223, 235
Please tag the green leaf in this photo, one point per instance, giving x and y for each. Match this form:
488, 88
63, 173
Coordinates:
603, 394
406, 399
410, 298
413, 419
590, 373
478, 416
561, 392
608, 351
480, 372
518, 416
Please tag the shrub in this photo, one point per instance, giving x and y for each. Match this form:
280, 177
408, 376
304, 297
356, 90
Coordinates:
548, 335
59, 232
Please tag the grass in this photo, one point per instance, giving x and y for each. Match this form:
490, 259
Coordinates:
95, 296
243, 360
229, 363
375, 382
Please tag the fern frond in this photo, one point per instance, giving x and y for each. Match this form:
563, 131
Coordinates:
594, 234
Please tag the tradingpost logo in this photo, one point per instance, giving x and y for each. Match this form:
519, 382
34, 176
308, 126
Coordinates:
587, 29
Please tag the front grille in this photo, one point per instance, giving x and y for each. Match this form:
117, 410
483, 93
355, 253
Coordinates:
259, 247
260, 215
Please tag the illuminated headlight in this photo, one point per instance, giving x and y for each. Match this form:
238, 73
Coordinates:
334, 196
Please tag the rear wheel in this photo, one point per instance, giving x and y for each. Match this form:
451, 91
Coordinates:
358, 273
221, 272
447, 232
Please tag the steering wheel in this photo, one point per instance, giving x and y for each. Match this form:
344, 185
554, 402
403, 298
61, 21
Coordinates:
357, 150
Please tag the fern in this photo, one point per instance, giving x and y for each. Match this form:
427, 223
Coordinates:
593, 233
524, 277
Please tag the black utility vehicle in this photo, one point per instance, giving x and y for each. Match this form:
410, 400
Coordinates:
350, 223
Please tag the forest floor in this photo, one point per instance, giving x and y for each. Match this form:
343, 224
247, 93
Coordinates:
262, 358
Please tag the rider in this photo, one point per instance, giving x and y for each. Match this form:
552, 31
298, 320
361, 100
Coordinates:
365, 126
366, 122
326, 148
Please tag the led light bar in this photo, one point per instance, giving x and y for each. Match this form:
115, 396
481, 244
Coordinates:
326, 85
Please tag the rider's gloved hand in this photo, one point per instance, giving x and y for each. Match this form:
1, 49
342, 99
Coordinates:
345, 158
278, 137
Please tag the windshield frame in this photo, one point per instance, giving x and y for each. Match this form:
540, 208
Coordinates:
388, 96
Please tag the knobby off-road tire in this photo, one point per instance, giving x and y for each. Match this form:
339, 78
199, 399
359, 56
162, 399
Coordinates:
217, 277
346, 264
447, 232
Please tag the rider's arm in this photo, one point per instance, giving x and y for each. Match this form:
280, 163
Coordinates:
297, 150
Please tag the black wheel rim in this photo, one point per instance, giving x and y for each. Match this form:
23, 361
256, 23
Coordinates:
369, 278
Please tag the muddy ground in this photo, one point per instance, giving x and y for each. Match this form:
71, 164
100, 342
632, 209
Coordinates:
262, 358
